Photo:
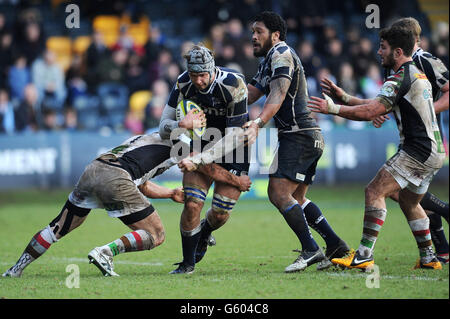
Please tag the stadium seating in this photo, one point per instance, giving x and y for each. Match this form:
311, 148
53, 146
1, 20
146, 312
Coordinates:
113, 103
62, 47
88, 111
109, 26
138, 101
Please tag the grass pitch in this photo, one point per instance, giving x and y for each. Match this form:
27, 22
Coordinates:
252, 250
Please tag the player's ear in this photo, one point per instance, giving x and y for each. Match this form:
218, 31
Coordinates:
275, 35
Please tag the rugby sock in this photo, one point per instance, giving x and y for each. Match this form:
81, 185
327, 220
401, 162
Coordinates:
432, 203
438, 235
207, 229
296, 220
134, 241
373, 220
317, 221
38, 245
421, 232
189, 242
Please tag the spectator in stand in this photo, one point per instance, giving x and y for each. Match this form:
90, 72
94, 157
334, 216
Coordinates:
371, 82
171, 76
136, 77
125, 41
155, 107
32, 42
247, 61
7, 123
310, 60
70, 119
28, 113
335, 57
75, 79
113, 69
227, 56
95, 53
6, 56
364, 57
152, 47
50, 119
18, 78
49, 79
346, 78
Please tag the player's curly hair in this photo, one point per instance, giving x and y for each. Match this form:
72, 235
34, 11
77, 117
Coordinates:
399, 37
274, 22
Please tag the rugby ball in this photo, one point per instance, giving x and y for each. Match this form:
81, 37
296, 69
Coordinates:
183, 108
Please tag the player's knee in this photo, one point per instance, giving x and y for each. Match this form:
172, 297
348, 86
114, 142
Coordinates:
193, 206
222, 206
159, 237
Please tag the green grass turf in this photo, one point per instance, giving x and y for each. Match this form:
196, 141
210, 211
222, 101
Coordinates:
252, 250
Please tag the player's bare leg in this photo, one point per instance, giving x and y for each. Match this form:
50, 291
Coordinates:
68, 219
420, 226
224, 198
196, 187
147, 234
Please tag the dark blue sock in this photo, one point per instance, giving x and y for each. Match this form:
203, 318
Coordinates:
206, 229
295, 218
318, 222
437, 234
189, 243
434, 204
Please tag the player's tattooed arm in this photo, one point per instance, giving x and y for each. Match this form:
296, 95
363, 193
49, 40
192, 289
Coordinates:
220, 174
278, 90
152, 190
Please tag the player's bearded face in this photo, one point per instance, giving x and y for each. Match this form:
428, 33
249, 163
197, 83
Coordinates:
200, 80
261, 39
386, 54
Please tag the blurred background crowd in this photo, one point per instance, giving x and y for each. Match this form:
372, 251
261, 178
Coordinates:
115, 70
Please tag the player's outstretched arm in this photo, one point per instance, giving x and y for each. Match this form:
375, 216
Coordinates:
153, 190
337, 93
442, 103
363, 112
220, 174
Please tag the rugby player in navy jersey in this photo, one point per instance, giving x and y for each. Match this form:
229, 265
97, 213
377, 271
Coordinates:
222, 95
408, 94
119, 182
281, 78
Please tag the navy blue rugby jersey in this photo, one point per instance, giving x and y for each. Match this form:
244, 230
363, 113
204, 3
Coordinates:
224, 102
282, 61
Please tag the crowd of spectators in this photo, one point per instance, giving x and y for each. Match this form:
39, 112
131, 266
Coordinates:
37, 93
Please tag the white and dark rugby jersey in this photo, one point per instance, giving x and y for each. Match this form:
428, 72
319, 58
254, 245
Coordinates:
408, 94
142, 156
282, 61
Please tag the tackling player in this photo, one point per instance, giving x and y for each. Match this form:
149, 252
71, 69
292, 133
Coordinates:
222, 94
408, 94
118, 181
281, 77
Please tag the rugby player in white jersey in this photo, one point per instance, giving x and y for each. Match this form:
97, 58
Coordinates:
119, 182
408, 94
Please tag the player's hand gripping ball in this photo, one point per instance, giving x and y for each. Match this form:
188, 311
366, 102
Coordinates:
183, 108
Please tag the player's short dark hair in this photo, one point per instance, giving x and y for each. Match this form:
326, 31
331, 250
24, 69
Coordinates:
398, 37
274, 22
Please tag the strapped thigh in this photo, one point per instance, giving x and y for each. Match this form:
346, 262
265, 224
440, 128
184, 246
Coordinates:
222, 204
195, 193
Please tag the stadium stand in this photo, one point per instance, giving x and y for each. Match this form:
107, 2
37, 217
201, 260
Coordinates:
152, 35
